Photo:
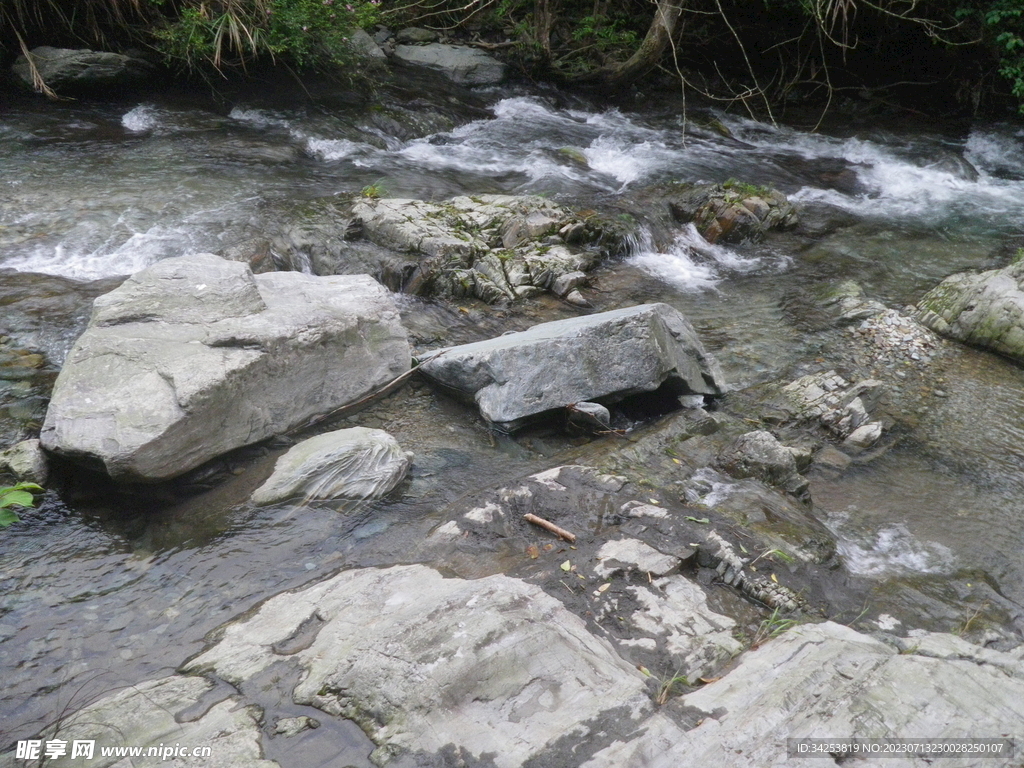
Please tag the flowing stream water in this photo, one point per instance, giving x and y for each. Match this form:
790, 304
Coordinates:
99, 594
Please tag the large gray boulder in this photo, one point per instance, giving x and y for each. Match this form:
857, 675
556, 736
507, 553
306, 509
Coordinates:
829, 681
985, 309
196, 356
459, 63
356, 463
493, 666
608, 356
65, 69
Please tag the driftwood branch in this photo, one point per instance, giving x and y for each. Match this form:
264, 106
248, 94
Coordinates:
547, 525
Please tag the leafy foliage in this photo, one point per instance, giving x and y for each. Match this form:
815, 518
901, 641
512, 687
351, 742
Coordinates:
306, 32
19, 495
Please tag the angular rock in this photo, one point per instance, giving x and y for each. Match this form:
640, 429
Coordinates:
864, 436
830, 399
491, 247
829, 681
356, 463
195, 356
493, 666
459, 63
606, 356
731, 212
26, 461
985, 309
759, 455
66, 69
366, 47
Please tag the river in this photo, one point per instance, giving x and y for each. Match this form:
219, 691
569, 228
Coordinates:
106, 589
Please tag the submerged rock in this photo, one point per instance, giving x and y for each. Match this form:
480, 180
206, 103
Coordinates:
985, 309
608, 356
195, 356
356, 463
67, 69
492, 666
459, 63
491, 247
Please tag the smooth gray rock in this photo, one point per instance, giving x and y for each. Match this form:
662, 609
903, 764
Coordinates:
70, 69
147, 715
985, 309
356, 463
493, 666
459, 63
829, 681
26, 461
609, 355
195, 356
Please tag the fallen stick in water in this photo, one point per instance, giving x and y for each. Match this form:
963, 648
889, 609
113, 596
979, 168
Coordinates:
547, 525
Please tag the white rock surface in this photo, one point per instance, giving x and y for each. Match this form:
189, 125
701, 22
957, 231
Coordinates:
493, 665
829, 681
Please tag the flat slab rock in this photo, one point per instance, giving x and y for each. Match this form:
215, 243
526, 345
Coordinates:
152, 714
196, 356
829, 681
355, 463
609, 355
494, 666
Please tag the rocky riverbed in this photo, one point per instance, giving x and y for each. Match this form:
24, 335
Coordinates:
298, 550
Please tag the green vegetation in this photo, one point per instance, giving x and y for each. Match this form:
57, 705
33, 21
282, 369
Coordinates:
374, 191
306, 32
957, 54
19, 495
771, 627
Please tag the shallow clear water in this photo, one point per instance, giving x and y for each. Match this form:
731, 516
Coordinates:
127, 589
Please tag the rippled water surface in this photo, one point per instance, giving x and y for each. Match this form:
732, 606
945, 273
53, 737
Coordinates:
127, 589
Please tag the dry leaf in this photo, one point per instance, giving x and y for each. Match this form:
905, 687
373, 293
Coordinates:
654, 501
565, 566
604, 587
644, 670
774, 579
548, 547
533, 552
707, 680
677, 461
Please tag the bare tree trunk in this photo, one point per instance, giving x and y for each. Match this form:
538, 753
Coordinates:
543, 20
648, 54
